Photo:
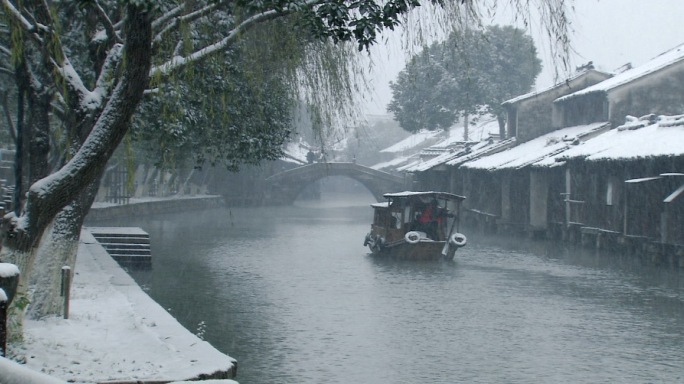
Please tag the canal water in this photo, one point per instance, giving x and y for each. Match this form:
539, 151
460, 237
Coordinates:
292, 294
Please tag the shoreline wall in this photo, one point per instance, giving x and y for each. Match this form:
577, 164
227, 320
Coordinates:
153, 207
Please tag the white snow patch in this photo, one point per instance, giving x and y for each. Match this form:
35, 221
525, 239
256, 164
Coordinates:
13, 373
8, 270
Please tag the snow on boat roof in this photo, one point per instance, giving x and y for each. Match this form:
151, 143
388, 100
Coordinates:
663, 60
663, 138
534, 150
437, 194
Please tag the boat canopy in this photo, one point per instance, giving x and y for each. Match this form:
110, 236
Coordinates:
428, 194
384, 204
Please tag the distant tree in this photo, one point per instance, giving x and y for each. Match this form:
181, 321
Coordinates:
471, 73
418, 103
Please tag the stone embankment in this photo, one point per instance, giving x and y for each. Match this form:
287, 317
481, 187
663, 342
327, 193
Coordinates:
153, 206
115, 333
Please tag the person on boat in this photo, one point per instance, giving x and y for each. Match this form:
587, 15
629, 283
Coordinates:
430, 219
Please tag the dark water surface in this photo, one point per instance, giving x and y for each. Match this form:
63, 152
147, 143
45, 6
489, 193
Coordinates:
291, 293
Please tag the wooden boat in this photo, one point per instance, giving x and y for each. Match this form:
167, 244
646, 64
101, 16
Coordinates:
416, 226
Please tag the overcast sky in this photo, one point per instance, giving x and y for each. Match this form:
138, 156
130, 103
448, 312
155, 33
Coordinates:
610, 33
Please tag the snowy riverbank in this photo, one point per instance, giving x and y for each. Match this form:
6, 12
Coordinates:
154, 206
115, 333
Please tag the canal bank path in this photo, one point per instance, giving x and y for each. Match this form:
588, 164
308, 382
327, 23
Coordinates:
115, 333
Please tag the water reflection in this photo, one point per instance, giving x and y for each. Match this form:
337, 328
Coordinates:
293, 295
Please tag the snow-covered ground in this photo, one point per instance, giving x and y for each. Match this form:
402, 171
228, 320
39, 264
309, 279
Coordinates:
115, 332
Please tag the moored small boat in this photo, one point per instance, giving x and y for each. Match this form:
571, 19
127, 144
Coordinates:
416, 226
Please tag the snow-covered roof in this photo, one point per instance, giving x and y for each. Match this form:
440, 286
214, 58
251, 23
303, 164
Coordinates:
638, 138
435, 161
478, 131
486, 148
413, 141
415, 160
534, 150
454, 146
666, 59
563, 83
394, 163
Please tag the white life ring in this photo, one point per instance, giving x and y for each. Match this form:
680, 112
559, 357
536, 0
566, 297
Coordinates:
412, 237
458, 239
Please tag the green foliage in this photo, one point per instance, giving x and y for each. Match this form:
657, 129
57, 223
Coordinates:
472, 73
238, 108
229, 115
419, 99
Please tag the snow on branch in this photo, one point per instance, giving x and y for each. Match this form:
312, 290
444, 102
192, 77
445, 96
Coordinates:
58, 58
176, 21
157, 23
180, 61
88, 100
27, 25
107, 22
112, 60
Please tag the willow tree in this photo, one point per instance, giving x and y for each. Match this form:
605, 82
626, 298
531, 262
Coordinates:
84, 71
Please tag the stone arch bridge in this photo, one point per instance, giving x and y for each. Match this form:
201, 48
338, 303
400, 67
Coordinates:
284, 187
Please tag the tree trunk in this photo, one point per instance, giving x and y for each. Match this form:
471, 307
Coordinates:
58, 248
502, 126
22, 232
47, 197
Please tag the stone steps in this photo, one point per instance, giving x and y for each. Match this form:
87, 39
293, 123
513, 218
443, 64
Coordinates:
126, 245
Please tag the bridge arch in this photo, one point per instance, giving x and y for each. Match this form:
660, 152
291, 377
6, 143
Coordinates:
284, 187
